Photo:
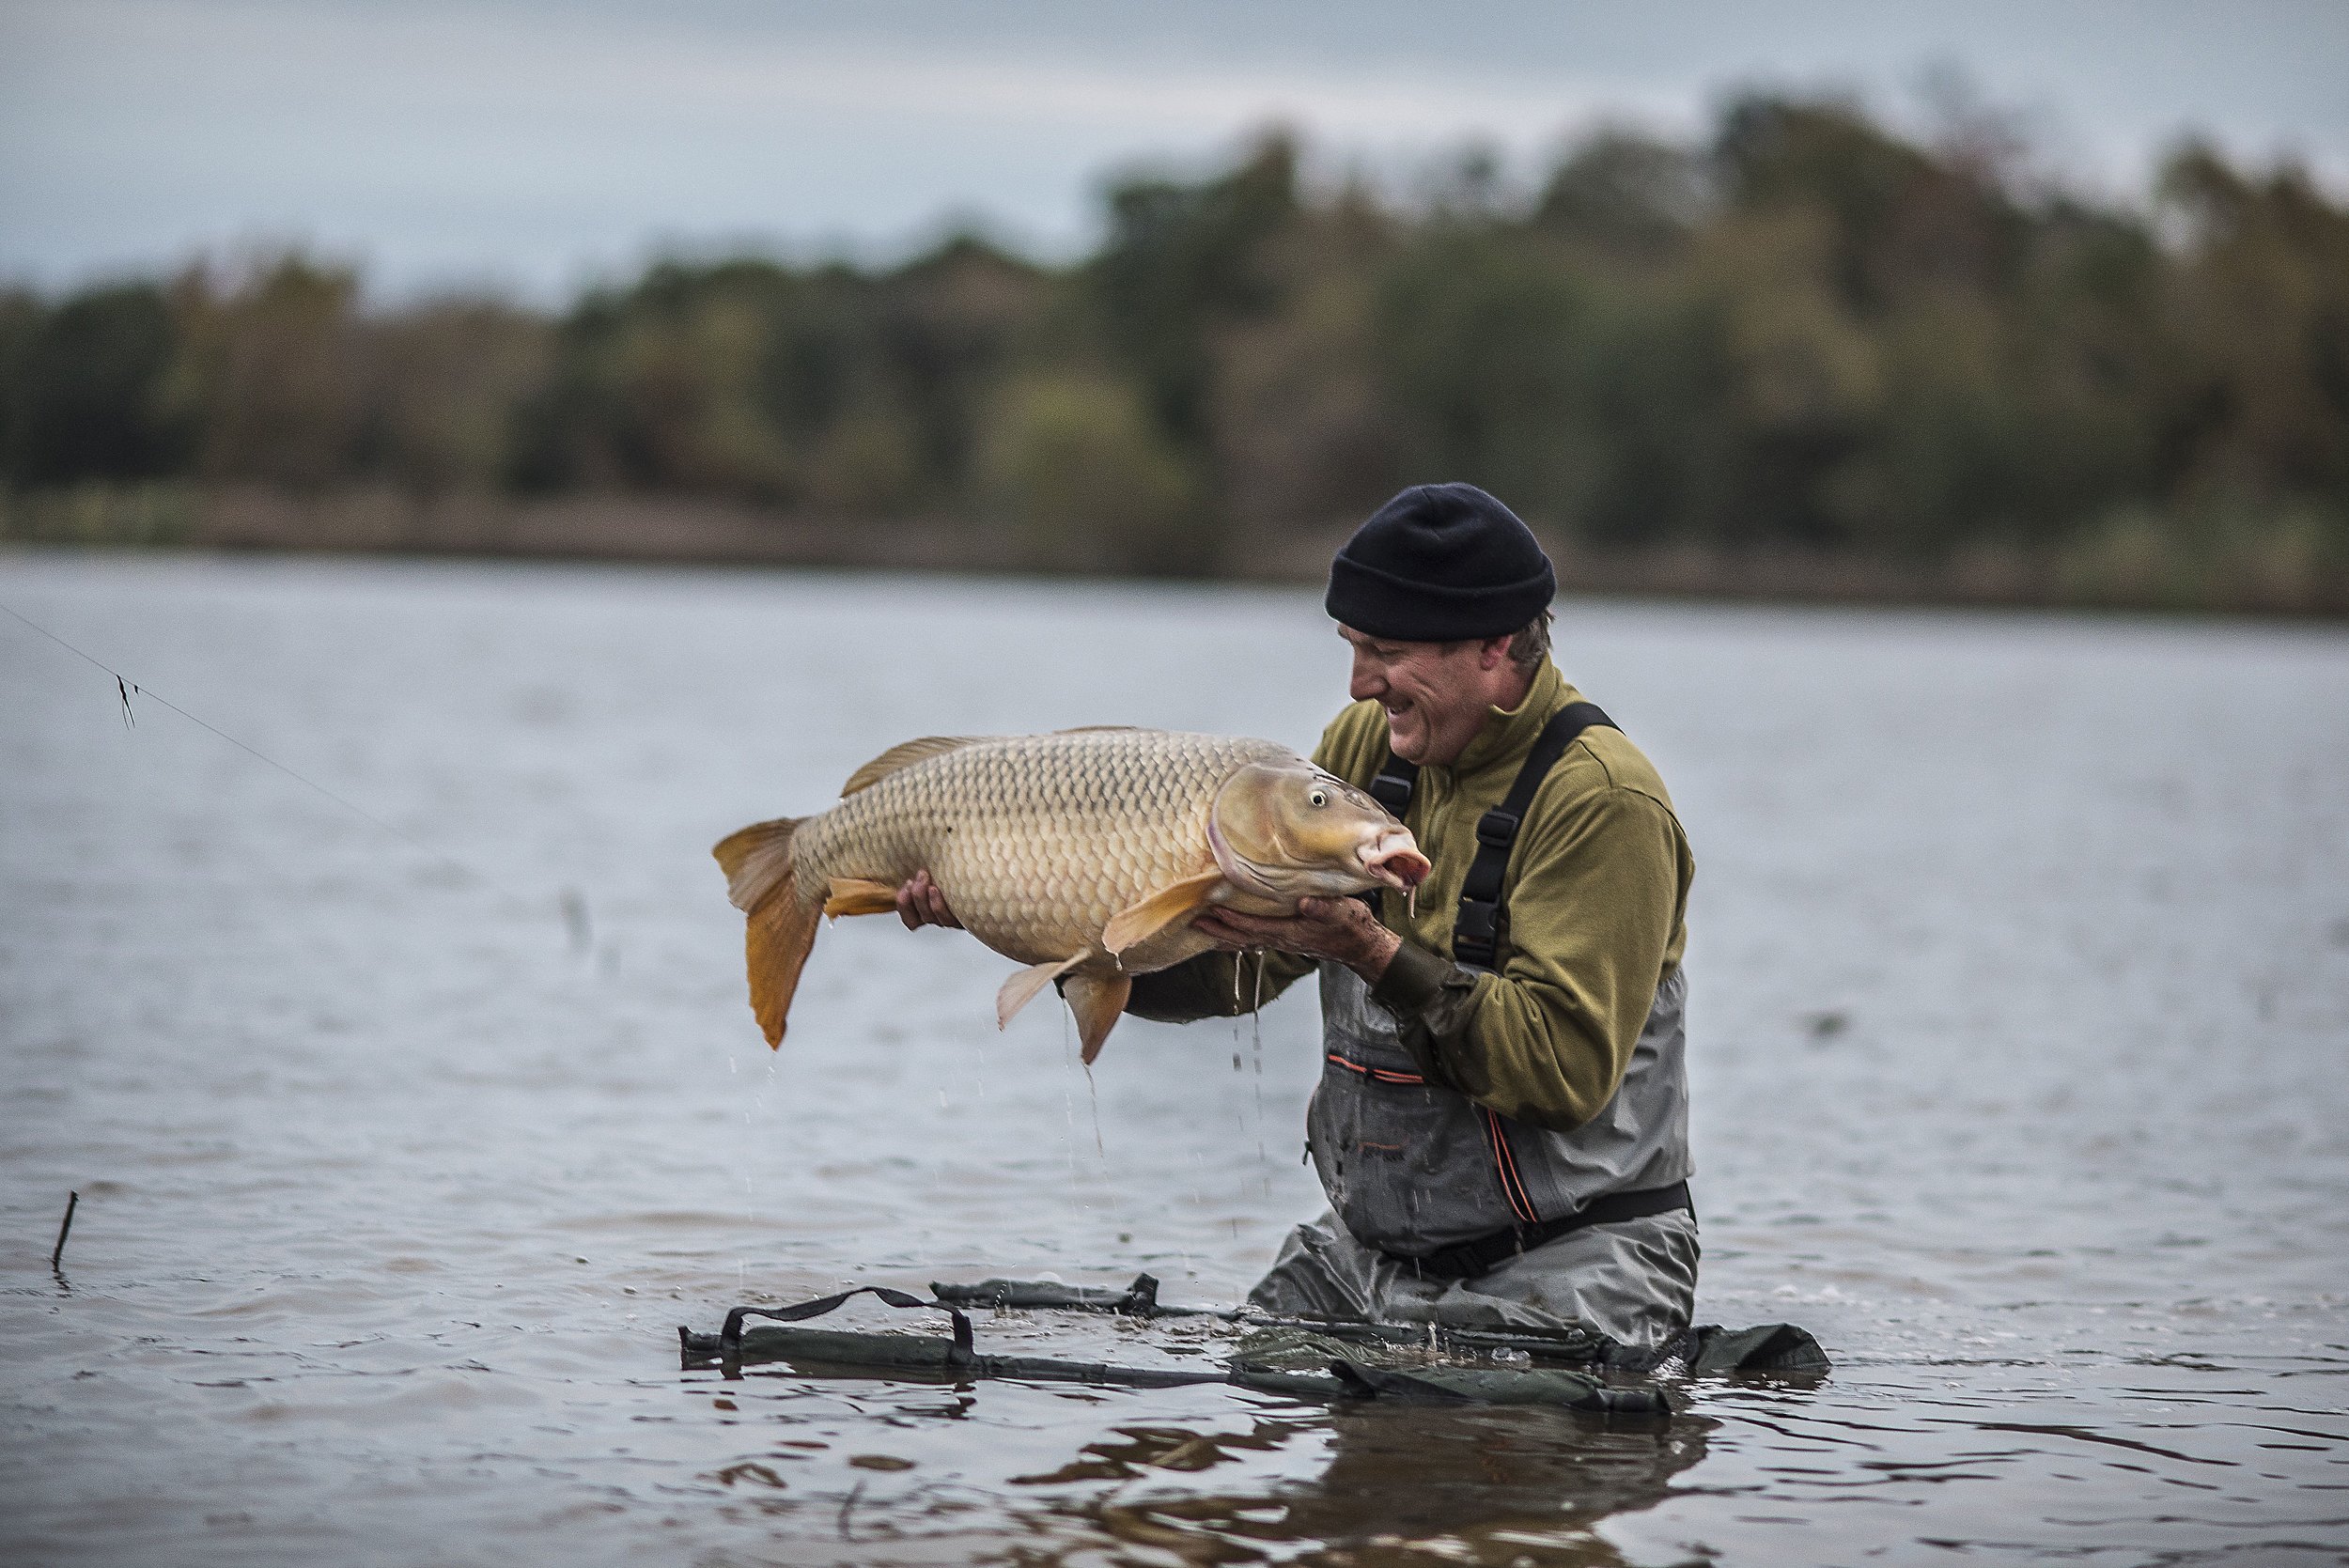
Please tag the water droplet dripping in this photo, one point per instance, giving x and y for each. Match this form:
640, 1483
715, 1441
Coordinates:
1092, 1094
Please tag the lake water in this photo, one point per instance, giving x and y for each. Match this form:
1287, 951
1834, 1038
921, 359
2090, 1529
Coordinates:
2020, 1040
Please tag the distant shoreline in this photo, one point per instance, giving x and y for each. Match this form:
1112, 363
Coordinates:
2109, 573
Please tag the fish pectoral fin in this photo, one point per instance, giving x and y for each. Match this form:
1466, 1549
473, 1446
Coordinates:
854, 896
1021, 988
1097, 1000
1160, 911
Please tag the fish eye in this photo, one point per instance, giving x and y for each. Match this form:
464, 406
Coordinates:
1318, 796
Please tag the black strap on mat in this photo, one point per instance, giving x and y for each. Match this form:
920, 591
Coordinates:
901, 1353
730, 1337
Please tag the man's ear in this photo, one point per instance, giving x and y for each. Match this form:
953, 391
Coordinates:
1492, 650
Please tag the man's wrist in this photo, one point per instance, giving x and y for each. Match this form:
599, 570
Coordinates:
1413, 979
1379, 946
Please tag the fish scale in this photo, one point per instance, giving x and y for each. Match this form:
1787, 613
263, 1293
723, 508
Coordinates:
1036, 841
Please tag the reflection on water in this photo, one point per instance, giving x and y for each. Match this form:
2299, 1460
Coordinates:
1263, 1481
1485, 1486
2020, 974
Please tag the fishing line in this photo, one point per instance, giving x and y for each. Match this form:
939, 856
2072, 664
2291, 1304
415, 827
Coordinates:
128, 688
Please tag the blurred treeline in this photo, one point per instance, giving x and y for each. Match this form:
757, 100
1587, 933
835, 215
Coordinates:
1808, 339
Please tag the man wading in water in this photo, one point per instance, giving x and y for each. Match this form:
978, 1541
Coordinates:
1502, 1121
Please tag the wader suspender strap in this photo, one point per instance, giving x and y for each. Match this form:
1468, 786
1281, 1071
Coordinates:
1477, 932
1478, 928
1392, 787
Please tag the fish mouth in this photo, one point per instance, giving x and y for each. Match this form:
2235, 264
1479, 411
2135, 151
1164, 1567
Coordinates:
1395, 860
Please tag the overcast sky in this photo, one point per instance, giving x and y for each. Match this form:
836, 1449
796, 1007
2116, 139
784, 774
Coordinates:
531, 145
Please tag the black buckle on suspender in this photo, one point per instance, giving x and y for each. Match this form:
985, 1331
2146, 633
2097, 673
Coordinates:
1497, 828
1476, 932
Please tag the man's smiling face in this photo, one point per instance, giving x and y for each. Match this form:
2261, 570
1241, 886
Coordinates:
1435, 695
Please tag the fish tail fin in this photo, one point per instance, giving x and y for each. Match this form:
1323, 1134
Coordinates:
762, 881
757, 859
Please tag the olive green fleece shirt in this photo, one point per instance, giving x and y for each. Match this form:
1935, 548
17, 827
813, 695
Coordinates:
1596, 893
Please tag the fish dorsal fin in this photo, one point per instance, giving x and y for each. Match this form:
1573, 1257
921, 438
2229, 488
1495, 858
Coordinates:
905, 755
1097, 729
1161, 910
1024, 984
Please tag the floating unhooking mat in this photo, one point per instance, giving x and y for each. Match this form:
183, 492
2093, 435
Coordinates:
1302, 1360
1708, 1351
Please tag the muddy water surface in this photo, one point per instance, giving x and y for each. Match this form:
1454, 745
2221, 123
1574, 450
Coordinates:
2020, 1041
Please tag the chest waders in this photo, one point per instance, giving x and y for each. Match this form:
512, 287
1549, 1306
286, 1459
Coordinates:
1446, 1185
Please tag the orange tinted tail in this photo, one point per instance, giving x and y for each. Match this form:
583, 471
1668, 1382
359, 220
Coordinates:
761, 880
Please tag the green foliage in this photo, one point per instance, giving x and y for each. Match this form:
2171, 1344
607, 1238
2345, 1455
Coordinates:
1182, 261
829, 389
1809, 333
85, 393
1074, 469
1625, 196
447, 376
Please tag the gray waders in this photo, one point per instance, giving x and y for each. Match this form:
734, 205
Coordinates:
1444, 1212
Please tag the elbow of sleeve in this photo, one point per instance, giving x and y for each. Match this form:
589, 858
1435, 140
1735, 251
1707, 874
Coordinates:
1569, 1112
1564, 1099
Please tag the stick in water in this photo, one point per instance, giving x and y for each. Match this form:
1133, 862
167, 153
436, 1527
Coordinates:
73, 1200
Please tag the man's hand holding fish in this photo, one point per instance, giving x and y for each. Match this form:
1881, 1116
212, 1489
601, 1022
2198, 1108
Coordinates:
1337, 930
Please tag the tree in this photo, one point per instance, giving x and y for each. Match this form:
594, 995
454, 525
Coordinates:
89, 387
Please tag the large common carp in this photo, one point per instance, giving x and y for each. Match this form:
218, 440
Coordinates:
1084, 855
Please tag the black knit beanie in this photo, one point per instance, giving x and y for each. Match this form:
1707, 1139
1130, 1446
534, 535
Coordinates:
1440, 563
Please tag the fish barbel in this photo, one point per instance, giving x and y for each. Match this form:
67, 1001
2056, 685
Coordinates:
1082, 855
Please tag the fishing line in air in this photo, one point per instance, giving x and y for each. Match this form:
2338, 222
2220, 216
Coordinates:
128, 688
